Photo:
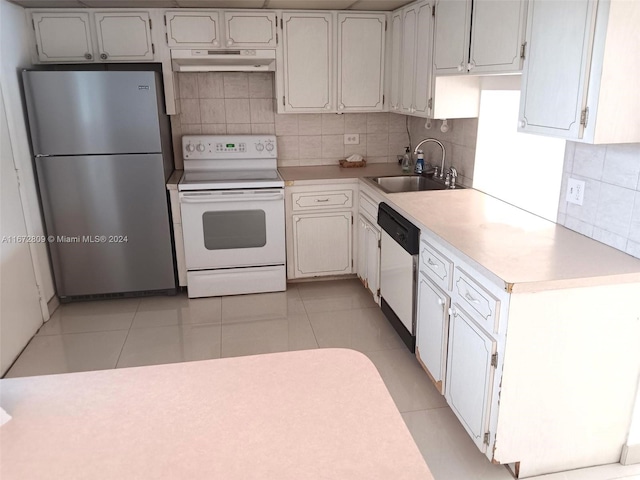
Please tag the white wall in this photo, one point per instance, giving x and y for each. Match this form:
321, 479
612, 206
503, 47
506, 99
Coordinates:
15, 54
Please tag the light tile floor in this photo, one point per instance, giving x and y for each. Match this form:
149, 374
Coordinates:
155, 330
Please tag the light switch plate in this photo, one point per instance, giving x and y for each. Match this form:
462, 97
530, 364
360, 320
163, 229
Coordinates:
575, 191
351, 138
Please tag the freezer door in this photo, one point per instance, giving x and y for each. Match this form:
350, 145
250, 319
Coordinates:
110, 222
84, 113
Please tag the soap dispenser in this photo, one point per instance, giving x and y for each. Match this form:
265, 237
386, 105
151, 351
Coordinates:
406, 161
420, 163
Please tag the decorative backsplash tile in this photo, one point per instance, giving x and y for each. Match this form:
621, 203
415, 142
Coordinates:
244, 103
610, 212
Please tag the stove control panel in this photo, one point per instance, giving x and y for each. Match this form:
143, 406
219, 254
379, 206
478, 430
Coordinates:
226, 147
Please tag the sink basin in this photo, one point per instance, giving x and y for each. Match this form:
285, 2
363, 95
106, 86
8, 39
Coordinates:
408, 183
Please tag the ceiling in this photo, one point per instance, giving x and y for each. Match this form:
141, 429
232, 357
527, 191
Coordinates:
286, 4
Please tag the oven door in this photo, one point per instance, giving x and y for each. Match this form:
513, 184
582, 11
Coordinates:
233, 228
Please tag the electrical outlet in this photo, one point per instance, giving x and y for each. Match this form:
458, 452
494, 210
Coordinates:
575, 191
351, 138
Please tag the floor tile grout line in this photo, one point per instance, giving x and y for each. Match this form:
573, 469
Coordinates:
402, 412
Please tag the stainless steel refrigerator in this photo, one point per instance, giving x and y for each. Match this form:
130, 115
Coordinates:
103, 154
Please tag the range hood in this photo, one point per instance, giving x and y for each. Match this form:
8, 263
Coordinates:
223, 60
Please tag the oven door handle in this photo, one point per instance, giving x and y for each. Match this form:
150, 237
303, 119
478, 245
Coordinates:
231, 198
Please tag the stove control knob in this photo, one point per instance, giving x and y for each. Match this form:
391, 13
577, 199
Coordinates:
269, 147
200, 148
190, 147
259, 147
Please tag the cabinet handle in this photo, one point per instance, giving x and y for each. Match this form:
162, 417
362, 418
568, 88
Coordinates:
453, 312
328, 107
322, 200
461, 67
432, 263
522, 124
341, 107
471, 298
229, 42
216, 43
88, 56
104, 56
471, 66
440, 302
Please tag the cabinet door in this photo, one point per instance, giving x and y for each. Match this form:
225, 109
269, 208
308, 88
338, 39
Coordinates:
361, 45
124, 36
424, 39
63, 37
470, 375
322, 244
308, 62
451, 38
396, 60
432, 330
373, 261
193, 29
250, 29
556, 66
409, 25
497, 35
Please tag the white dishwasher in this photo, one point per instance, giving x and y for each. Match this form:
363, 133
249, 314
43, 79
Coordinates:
400, 241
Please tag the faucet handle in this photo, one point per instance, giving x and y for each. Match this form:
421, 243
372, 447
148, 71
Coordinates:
453, 172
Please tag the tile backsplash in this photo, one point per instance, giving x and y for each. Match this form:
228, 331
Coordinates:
459, 143
244, 103
610, 212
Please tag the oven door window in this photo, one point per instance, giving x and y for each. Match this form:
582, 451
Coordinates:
234, 229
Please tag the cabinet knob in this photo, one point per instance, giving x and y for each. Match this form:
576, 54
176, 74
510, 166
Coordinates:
471, 66
440, 302
328, 107
341, 107
229, 42
88, 56
216, 43
461, 67
104, 56
522, 124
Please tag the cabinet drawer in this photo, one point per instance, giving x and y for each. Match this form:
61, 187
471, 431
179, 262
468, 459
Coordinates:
476, 301
436, 266
369, 208
319, 200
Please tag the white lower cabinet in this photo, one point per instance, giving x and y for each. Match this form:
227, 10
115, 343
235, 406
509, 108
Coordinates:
319, 230
470, 374
432, 330
322, 244
369, 256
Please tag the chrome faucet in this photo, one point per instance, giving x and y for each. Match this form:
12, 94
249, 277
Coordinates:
426, 140
453, 174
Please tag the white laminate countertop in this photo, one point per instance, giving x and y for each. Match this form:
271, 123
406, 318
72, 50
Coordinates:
310, 414
525, 251
174, 179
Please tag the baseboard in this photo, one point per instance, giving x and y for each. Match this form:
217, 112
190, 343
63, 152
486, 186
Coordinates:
52, 305
630, 454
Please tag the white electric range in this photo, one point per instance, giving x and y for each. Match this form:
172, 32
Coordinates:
232, 206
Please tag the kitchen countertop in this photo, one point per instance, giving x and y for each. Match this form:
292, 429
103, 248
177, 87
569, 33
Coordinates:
526, 252
310, 414
316, 174
172, 183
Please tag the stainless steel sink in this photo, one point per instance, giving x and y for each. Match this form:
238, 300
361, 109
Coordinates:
408, 183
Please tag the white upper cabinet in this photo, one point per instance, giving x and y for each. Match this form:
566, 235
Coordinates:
308, 62
496, 36
63, 37
396, 60
478, 36
95, 35
409, 28
423, 69
411, 75
451, 38
361, 48
124, 36
193, 29
577, 82
250, 29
